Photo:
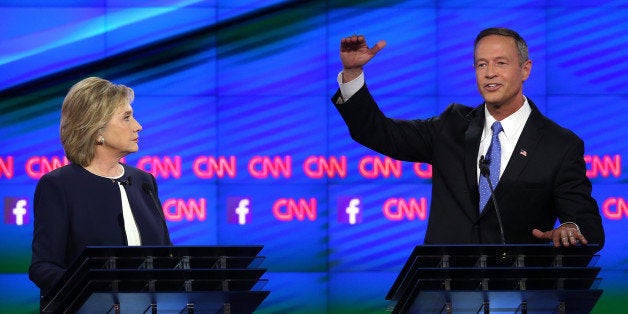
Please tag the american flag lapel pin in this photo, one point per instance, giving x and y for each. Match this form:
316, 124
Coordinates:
523, 153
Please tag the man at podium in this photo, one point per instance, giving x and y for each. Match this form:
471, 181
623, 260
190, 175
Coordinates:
535, 167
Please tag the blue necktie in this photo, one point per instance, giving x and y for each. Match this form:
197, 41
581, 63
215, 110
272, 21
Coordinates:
493, 155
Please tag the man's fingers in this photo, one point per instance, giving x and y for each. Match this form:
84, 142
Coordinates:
576, 237
548, 235
562, 236
540, 234
565, 240
379, 46
355, 42
570, 236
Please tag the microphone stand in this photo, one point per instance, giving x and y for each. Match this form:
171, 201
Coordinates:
486, 172
148, 190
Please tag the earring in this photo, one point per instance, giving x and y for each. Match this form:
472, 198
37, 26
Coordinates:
101, 140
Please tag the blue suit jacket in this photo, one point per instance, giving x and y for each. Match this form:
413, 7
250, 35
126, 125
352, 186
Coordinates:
546, 183
74, 208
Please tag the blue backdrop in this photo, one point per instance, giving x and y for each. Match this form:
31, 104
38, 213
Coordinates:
234, 97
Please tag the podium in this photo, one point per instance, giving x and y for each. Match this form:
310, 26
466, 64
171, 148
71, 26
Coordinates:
172, 279
497, 279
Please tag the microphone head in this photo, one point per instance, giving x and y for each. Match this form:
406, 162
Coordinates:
126, 181
484, 169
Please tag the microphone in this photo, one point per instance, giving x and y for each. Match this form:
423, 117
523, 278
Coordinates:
148, 190
123, 181
486, 173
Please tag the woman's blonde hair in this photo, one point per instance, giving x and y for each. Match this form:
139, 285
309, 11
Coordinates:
86, 109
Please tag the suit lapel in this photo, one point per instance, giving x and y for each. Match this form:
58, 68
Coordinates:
472, 145
525, 147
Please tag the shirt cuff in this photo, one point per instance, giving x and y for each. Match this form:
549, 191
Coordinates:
348, 89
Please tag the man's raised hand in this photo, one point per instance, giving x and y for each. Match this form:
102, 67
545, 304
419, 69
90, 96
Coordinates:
355, 53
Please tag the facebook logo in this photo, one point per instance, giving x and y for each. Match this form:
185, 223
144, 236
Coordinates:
239, 210
15, 211
349, 210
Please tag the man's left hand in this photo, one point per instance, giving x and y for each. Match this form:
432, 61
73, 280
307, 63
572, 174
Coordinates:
567, 234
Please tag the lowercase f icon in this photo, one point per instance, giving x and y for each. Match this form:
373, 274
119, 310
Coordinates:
239, 210
15, 211
349, 210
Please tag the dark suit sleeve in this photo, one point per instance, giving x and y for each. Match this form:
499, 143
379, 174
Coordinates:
407, 140
50, 234
573, 196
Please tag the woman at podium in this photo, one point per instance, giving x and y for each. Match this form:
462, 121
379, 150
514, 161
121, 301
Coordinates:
95, 200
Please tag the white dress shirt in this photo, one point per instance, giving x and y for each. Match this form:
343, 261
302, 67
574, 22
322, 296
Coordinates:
512, 125
130, 227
